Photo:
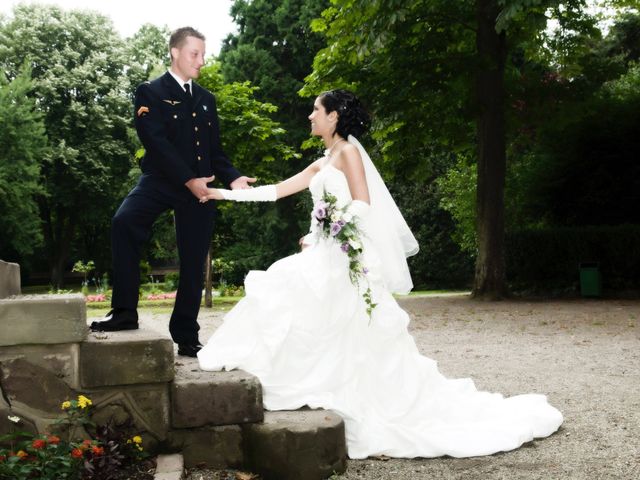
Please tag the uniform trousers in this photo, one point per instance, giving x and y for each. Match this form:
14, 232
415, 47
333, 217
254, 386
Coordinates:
130, 231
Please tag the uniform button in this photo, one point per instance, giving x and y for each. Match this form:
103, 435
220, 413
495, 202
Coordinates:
198, 143
196, 129
199, 157
194, 114
209, 123
175, 116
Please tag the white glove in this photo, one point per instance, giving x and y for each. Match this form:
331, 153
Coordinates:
265, 193
358, 208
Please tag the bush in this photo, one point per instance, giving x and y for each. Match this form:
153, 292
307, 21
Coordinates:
441, 263
548, 260
171, 281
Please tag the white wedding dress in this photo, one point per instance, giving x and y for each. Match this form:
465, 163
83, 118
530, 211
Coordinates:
303, 330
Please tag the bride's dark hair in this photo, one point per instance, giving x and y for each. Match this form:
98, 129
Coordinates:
353, 119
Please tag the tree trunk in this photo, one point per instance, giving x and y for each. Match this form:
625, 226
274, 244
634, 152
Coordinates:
208, 294
489, 282
60, 255
58, 232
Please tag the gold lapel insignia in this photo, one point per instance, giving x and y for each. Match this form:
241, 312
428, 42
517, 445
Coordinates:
172, 102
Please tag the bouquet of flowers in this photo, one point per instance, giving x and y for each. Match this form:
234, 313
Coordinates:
339, 224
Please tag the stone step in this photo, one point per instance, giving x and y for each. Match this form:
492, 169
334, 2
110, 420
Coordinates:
9, 279
218, 421
169, 467
131, 357
127, 376
200, 398
296, 445
214, 447
42, 319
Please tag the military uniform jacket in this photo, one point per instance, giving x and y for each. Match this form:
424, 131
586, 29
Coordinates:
180, 134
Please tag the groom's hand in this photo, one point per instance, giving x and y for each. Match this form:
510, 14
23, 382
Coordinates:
242, 182
198, 186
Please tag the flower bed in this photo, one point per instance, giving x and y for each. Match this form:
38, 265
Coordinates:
110, 452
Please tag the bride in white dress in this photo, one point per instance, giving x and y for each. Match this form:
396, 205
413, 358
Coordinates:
307, 330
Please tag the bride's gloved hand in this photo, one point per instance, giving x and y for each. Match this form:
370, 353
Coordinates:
358, 208
212, 194
265, 193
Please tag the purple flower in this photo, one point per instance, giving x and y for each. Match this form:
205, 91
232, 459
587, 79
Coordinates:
344, 247
335, 228
365, 270
320, 210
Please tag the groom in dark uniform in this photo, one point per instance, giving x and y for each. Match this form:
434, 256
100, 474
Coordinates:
177, 122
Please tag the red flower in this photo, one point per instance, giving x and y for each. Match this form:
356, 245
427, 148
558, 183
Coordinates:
38, 444
97, 451
76, 453
2, 458
53, 439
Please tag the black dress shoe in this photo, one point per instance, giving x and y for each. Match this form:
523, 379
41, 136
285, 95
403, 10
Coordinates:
116, 320
188, 349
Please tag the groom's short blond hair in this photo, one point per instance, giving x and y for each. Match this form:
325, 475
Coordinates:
179, 36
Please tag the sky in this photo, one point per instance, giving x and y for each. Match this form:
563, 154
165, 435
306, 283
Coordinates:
211, 17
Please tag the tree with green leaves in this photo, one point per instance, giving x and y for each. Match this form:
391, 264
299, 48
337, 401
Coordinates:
147, 54
274, 50
580, 167
80, 87
437, 74
251, 235
22, 145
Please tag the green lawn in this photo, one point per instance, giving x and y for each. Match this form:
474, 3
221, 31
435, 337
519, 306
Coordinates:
96, 309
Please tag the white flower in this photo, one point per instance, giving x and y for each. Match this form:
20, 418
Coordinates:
347, 217
355, 244
13, 419
335, 216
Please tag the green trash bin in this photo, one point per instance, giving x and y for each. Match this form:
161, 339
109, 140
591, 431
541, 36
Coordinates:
590, 279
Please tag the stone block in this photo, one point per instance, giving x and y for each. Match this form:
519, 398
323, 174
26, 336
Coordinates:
297, 445
58, 359
33, 386
126, 358
9, 279
215, 447
201, 398
35, 394
43, 319
145, 407
169, 466
30, 419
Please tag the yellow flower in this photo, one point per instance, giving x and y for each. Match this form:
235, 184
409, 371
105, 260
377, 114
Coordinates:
66, 405
84, 402
137, 439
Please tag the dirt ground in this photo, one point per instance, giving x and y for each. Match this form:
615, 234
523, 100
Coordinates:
583, 354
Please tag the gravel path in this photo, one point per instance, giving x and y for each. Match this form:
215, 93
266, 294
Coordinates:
583, 354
